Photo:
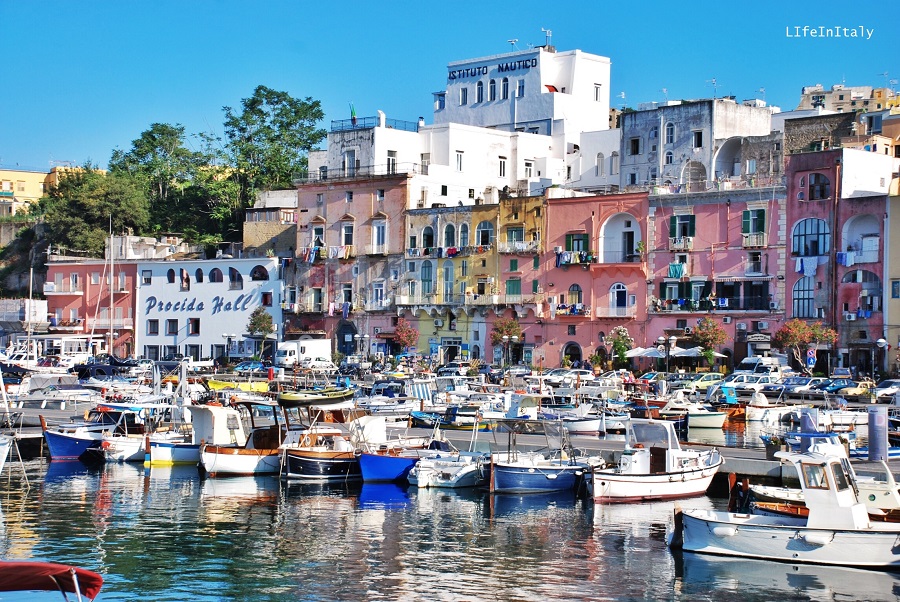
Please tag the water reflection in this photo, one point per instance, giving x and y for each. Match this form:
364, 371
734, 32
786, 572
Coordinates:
165, 534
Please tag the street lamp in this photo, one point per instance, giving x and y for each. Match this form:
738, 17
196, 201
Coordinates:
228, 338
366, 346
505, 339
668, 344
881, 343
356, 339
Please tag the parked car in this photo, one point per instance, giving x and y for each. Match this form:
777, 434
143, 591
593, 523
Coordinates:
455, 368
569, 377
517, 370
833, 385
491, 373
701, 382
862, 387
318, 364
250, 367
886, 390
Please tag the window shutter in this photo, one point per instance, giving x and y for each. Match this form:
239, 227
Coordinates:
745, 222
761, 220
534, 286
691, 230
673, 223
569, 242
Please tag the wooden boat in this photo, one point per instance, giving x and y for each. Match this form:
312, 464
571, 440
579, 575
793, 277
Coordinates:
800, 510
314, 397
69, 441
654, 466
837, 531
48, 576
259, 454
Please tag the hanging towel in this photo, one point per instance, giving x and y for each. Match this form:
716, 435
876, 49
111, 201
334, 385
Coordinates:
331, 308
552, 310
345, 310
851, 259
798, 265
676, 270
810, 265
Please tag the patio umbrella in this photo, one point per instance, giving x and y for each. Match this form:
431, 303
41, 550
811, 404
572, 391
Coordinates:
692, 352
636, 352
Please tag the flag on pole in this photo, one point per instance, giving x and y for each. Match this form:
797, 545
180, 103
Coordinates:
352, 114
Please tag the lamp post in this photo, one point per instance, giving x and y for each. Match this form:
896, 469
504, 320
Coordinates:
356, 339
881, 344
668, 344
228, 338
366, 346
505, 339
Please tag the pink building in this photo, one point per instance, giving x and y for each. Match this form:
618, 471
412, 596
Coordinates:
594, 275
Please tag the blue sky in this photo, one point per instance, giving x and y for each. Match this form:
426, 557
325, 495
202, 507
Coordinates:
82, 79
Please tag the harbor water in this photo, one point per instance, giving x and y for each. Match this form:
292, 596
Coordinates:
166, 534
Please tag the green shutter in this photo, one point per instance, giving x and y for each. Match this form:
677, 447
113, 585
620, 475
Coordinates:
569, 242
513, 265
673, 226
536, 264
534, 286
745, 222
691, 230
761, 220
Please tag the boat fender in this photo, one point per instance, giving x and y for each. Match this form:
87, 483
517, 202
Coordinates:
723, 531
818, 538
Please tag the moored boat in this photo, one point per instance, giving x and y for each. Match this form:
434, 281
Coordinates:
653, 466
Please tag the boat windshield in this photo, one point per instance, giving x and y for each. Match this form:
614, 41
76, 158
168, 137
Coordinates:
652, 434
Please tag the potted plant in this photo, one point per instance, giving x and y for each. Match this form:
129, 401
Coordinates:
776, 443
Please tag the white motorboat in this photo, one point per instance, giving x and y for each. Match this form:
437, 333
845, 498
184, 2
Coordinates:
462, 469
698, 415
654, 466
760, 409
838, 530
5, 445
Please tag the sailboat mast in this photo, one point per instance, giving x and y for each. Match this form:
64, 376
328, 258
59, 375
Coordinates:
112, 276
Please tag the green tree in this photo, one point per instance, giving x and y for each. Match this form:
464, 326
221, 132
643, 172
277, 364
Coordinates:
796, 336
78, 211
709, 334
260, 323
268, 140
405, 335
168, 170
505, 327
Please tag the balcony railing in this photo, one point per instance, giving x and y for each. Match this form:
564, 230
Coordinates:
616, 312
681, 243
103, 324
51, 288
367, 123
753, 267
706, 305
375, 250
468, 299
363, 172
620, 257
520, 246
440, 252
756, 239
570, 309
322, 253
303, 308
379, 305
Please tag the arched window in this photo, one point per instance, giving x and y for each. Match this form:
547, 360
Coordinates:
484, 233
198, 275
215, 275
803, 293
476, 352
614, 163
811, 238
428, 237
479, 92
504, 88
235, 279
600, 159
427, 273
492, 90
618, 299
449, 235
670, 133
670, 158
185, 280
464, 235
259, 273
170, 276
575, 294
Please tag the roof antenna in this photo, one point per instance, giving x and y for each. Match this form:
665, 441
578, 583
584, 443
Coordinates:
763, 92
512, 42
715, 86
665, 92
548, 35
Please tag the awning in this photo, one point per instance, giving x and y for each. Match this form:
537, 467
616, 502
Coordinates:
386, 335
551, 88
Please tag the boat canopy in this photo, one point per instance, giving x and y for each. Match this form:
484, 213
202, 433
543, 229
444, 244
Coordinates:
47, 576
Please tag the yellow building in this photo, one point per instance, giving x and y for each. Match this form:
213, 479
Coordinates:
20, 188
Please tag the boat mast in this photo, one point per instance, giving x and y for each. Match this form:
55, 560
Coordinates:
112, 275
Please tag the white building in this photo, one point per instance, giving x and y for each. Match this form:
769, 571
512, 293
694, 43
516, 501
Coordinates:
198, 307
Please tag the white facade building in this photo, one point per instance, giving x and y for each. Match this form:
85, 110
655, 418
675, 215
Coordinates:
198, 307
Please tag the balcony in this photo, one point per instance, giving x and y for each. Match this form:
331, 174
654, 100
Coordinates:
570, 258
616, 312
51, 288
449, 252
681, 243
103, 324
752, 268
303, 308
678, 270
519, 246
468, 299
378, 305
375, 250
755, 240
570, 309
311, 255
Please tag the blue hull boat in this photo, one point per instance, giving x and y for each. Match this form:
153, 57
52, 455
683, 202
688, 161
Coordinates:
534, 474
65, 446
381, 468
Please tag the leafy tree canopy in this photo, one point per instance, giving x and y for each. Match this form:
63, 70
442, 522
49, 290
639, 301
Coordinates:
269, 138
621, 344
78, 211
796, 336
260, 323
405, 335
709, 334
507, 327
